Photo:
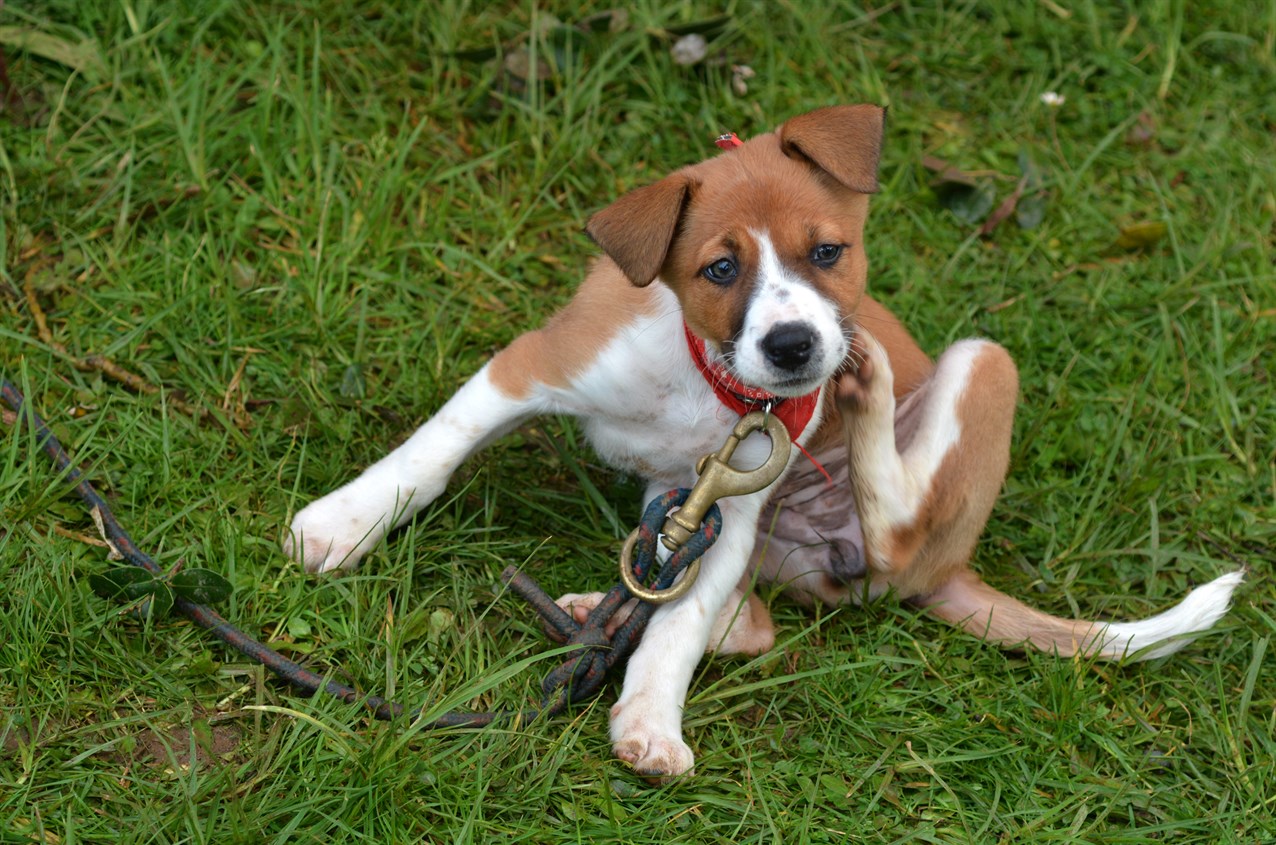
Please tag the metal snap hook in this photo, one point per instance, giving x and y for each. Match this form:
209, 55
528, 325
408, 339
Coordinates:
718, 479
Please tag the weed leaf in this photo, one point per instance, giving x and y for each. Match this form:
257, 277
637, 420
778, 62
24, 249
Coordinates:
1031, 211
159, 605
353, 384
202, 586
968, 203
129, 582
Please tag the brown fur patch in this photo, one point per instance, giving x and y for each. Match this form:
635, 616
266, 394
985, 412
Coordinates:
843, 141
681, 224
605, 303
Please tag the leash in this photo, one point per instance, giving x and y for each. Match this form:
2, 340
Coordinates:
688, 533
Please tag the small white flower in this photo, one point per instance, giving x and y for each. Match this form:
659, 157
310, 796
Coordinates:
690, 49
1053, 99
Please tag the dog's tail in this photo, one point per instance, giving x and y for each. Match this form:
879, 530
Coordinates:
988, 613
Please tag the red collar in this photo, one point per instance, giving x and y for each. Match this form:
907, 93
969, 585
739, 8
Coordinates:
794, 412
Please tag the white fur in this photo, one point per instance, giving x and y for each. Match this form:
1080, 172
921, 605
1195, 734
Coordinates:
339, 529
1168, 632
642, 387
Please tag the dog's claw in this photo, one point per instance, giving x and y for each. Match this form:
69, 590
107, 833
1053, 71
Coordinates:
657, 759
869, 387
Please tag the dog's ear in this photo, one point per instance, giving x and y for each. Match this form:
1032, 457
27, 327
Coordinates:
843, 141
637, 229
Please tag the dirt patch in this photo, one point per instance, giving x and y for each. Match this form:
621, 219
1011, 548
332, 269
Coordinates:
201, 741
14, 738
206, 744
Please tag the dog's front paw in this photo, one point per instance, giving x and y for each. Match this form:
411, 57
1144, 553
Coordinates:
656, 755
868, 387
332, 534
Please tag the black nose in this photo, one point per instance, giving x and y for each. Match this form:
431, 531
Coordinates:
788, 345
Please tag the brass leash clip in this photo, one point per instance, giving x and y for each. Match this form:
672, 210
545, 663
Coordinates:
718, 479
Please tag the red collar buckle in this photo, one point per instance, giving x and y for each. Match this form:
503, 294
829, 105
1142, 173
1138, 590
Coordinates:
728, 141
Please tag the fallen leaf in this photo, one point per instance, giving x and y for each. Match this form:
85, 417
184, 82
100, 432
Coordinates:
82, 55
1004, 210
1138, 236
96, 513
518, 63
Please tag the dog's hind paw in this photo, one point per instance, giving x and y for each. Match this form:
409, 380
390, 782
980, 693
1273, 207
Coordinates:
580, 605
869, 387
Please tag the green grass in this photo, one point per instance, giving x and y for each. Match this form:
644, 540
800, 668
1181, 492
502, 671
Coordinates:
314, 218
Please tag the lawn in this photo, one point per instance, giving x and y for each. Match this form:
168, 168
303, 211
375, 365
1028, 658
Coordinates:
300, 226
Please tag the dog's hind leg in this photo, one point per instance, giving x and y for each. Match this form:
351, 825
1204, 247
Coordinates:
924, 480
925, 475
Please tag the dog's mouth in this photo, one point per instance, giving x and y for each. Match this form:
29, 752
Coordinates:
760, 375
792, 387
783, 385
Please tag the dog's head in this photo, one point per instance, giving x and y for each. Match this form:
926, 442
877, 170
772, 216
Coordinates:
763, 245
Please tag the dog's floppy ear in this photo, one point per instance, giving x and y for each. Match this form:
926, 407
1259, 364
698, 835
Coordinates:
637, 229
843, 141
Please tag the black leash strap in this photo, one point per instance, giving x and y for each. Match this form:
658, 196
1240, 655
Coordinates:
578, 677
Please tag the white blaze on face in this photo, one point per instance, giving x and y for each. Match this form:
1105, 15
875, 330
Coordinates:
782, 296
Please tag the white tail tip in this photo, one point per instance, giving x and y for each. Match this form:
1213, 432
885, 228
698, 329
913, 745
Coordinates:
1168, 632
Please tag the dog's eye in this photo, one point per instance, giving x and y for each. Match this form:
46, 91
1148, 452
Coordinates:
721, 272
826, 255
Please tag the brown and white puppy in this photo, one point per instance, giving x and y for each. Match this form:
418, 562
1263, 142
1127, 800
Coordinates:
756, 256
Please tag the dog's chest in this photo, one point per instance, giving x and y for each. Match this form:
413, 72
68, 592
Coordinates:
646, 409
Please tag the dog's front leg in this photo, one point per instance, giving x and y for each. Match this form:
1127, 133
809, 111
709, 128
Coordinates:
337, 530
646, 723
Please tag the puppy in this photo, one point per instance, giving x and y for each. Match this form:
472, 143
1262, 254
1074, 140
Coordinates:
739, 282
